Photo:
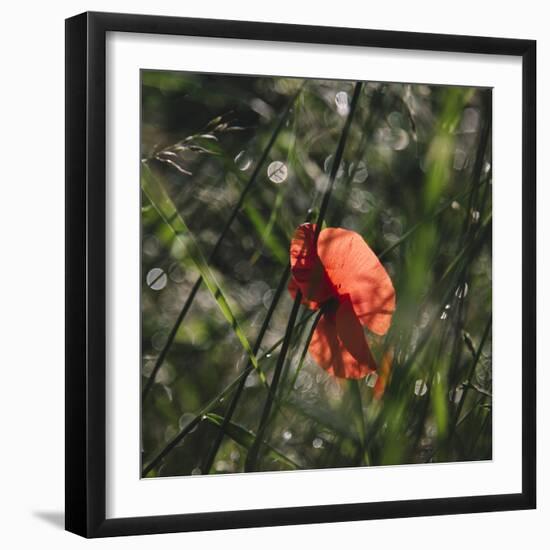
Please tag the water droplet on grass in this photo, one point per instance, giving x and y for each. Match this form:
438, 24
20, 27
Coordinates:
342, 103
287, 435
148, 367
277, 171
470, 121
462, 291
252, 380
169, 393
328, 166
169, 433
400, 140
243, 161
420, 388
156, 278
371, 379
361, 174
317, 443
456, 395
151, 245
186, 419
176, 273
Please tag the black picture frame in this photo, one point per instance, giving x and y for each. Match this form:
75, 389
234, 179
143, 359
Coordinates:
86, 279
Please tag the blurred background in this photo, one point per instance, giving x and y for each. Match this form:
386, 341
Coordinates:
414, 181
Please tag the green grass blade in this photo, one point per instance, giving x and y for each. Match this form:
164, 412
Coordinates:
166, 209
246, 438
238, 392
236, 209
264, 231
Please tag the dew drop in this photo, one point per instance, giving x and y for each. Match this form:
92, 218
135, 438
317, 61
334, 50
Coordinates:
156, 278
165, 375
169, 433
342, 103
184, 421
462, 291
151, 245
371, 379
475, 216
169, 393
176, 273
400, 140
328, 166
287, 435
243, 161
420, 388
470, 121
252, 380
456, 395
361, 174
277, 171
317, 443
148, 366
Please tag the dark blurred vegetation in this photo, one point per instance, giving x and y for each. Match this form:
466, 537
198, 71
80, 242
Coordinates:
415, 182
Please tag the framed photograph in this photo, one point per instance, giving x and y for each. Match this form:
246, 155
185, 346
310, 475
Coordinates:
300, 274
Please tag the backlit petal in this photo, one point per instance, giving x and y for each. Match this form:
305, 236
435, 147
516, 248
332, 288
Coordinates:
339, 344
355, 272
307, 271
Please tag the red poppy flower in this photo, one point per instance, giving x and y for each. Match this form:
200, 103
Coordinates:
343, 276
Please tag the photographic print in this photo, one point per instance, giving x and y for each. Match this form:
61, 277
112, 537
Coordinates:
316, 273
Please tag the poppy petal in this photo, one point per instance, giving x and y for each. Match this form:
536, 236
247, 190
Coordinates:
355, 271
293, 290
339, 345
308, 273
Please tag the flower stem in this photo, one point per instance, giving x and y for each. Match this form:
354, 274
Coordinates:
337, 159
253, 453
238, 392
